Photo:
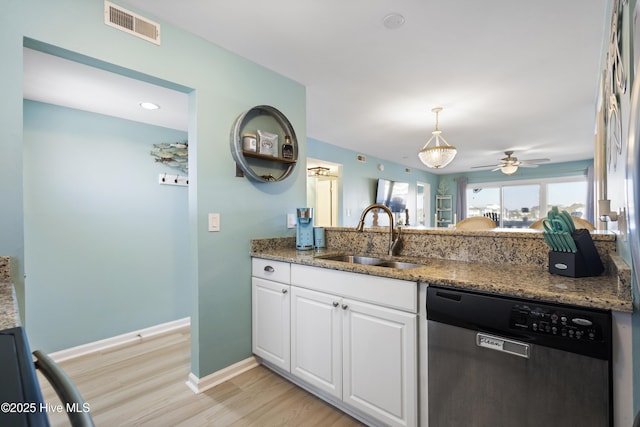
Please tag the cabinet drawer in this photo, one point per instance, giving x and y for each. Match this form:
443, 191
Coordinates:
393, 293
277, 271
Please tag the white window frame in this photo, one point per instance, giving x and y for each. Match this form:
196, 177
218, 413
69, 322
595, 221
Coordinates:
543, 182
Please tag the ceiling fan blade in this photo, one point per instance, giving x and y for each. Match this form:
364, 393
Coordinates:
511, 161
536, 160
485, 166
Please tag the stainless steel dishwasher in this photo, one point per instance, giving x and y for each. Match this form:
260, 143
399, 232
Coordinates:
496, 361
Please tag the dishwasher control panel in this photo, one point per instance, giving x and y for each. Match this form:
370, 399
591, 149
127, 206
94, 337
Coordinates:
579, 330
556, 322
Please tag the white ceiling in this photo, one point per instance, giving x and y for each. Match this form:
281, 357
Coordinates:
58, 81
510, 74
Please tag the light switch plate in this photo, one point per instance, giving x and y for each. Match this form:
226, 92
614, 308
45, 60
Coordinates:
291, 220
214, 222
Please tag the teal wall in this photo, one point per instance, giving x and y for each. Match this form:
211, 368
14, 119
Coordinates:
541, 172
222, 86
359, 180
104, 242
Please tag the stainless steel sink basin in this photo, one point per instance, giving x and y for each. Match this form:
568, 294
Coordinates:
398, 264
353, 259
367, 260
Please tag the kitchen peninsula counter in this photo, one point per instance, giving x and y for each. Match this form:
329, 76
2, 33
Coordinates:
9, 316
612, 290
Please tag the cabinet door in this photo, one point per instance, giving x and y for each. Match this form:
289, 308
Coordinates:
380, 362
316, 339
270, 322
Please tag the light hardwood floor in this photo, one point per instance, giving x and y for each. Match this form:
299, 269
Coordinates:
143, 384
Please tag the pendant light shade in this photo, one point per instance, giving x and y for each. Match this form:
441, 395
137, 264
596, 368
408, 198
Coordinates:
441, 153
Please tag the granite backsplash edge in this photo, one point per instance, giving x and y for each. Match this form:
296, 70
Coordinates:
5, 269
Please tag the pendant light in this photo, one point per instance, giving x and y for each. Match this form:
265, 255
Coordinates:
440, 154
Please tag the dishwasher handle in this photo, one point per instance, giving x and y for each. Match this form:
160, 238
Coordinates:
503, 345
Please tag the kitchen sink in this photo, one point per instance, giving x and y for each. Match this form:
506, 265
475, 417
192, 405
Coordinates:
353, 259
373, 261
398, 264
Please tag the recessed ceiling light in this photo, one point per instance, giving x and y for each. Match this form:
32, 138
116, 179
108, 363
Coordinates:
393, 21
149, 106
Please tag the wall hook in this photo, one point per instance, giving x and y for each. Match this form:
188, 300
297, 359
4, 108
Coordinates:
179, 180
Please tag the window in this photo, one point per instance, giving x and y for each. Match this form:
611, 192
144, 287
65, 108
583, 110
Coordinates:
569, 196
518, 204
521, 205
483, 201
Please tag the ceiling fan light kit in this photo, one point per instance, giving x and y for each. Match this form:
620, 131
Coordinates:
509, 169
441, 153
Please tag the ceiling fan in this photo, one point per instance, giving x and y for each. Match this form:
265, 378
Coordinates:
510, 164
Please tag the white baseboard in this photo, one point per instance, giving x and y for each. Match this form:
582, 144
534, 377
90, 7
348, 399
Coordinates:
198, 385
118, 340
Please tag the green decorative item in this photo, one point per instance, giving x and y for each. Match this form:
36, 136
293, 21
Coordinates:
175, 155
443, 188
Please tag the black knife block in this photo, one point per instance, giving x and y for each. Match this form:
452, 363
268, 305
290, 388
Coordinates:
583, 263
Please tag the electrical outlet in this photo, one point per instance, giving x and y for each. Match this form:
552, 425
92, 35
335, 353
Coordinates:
214, 222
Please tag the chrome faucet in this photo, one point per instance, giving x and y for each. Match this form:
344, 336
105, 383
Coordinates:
393, 243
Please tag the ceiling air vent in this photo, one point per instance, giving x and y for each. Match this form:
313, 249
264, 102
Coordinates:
129, 22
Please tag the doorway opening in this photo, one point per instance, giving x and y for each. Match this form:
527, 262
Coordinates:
101, 234
423, 204
323, 188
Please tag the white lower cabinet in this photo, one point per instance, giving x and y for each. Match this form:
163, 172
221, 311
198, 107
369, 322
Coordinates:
379, 362
270, 317
361, 353
270, 322
316, 339
350, 337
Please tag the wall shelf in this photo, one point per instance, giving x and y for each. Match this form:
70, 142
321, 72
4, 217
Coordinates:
267, 157
444, 210
258, 166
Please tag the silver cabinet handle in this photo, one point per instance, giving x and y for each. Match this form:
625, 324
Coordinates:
269, 269
345, 306
284, 291
336, 303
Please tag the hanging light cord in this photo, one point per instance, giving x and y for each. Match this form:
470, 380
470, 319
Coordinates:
437, 133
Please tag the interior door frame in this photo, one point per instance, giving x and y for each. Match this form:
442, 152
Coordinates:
426, 203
